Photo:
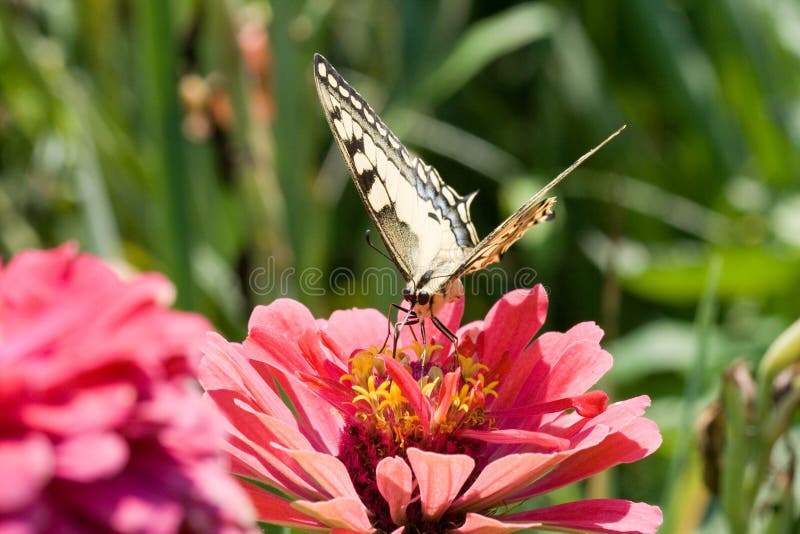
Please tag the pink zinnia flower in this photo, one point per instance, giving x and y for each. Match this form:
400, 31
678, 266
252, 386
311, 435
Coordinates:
330, 432
100, 428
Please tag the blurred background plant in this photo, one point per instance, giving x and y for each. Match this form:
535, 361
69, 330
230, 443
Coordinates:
186, 137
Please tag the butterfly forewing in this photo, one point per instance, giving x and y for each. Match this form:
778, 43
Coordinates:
424, 223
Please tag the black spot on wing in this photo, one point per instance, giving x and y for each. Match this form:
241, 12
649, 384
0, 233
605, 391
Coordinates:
366, 180
354, 145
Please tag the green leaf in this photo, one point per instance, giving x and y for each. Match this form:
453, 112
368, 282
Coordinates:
486, 41
675, 275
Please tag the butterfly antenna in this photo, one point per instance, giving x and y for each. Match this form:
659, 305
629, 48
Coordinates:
376, 249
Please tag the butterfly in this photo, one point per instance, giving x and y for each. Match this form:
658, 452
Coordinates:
423, 222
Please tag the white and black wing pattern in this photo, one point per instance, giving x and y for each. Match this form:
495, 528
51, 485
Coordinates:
537, 209
424, 223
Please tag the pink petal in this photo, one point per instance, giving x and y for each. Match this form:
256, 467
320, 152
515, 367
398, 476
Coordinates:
286, 316
275, 359
357, 329
512, 322
132, 503
189, 429
272, 508
88, 409
29, 463
557, 342
588, 437
448, 391
590, 404
440, 478
411, 391
471, 330
327, 472
550, 346
396, 484
618, 415
25, 522
611, 516
480, 524
270, 464
32, 275
90, 457
265, 428
615, 418
342, 512
585, 331
557, 374
323, 353
225, 368
639, 439
517, 437
578, 367
320, 422
216, 487
250, 433
133, 514
267, 345
503, 477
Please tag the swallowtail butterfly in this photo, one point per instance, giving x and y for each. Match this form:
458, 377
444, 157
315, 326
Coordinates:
424, 223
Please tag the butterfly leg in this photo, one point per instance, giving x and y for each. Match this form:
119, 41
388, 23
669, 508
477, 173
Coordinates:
443, 329
424, 355
389, 323
447, 333
410, 319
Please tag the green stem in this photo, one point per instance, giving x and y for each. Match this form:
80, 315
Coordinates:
162, 116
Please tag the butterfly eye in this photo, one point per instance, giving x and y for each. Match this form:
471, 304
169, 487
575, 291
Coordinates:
423, 297
407, 294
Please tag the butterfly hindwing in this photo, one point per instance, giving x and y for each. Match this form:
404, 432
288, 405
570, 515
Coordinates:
494, 245
423, 222
537, 209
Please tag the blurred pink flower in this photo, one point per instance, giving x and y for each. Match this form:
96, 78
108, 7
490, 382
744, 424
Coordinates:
332, 433
101, 429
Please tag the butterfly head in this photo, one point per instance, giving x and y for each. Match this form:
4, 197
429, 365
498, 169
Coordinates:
426, 297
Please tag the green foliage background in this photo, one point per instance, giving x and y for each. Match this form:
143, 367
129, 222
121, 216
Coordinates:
186, 137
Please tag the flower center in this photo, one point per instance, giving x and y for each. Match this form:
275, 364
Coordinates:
390, 414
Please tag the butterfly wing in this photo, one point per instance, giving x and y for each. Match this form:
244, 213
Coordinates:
536, 210
494, 245
423, 222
